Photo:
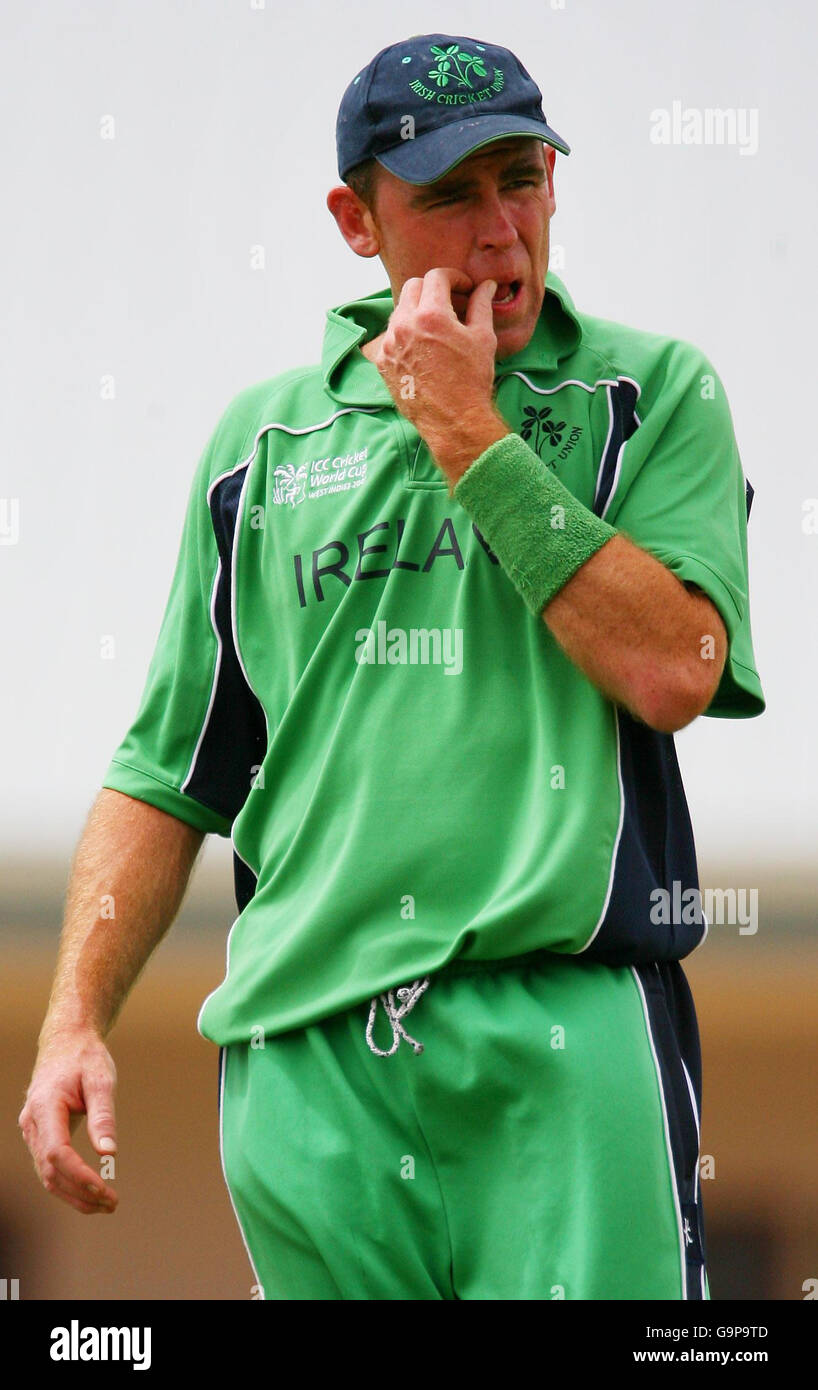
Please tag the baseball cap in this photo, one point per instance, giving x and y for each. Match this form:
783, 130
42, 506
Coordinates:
422, 105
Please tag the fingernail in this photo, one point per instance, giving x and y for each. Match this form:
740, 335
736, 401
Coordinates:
89, 1187
107, 1143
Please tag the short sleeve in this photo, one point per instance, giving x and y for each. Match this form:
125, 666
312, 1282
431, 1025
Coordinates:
682, 495
194, 721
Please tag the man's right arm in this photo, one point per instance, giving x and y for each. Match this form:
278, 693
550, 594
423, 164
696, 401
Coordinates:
128, 878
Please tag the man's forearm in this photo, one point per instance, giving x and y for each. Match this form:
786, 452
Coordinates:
640, 636
128, 878
620, 615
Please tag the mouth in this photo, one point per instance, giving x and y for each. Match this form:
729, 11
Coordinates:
507, 296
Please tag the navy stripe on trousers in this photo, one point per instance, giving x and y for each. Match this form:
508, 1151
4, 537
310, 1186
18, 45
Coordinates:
675, 1034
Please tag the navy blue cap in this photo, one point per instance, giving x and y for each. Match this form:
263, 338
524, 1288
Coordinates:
422, 105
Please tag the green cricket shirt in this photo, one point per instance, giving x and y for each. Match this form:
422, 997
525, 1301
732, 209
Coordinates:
347, 682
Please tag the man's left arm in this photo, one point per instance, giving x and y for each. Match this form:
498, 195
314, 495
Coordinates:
640, 635
635, 630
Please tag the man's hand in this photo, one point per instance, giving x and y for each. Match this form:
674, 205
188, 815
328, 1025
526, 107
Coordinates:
142, 857
440, 371
74, 1075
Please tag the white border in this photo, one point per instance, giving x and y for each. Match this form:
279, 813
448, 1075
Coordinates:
695, 1110
615, 852
224, 1171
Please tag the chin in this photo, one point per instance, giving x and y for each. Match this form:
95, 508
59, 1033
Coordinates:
511, 340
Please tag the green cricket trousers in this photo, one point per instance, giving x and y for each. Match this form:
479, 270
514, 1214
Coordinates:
537, 1139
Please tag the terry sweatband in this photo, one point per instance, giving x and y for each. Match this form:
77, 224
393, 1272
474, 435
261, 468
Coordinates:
539, 531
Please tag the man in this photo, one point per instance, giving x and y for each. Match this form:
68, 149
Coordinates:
440, 605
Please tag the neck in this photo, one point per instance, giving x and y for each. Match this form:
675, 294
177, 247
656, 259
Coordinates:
370, 349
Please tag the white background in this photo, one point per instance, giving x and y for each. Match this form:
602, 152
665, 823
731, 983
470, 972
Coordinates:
131, 257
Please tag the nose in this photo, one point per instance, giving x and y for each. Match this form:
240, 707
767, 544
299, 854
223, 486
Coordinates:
495, 229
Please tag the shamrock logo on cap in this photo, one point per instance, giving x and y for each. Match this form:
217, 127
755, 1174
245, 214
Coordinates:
463, 63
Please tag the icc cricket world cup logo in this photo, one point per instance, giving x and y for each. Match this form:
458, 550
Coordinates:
290, 483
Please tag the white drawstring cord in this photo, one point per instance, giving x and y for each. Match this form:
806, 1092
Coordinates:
409, 996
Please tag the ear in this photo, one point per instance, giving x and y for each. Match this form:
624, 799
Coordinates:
550, 160
355, 221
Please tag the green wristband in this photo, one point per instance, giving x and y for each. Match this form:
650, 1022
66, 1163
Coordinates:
539, 531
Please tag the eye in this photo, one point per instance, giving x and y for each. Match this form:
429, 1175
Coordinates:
459, 197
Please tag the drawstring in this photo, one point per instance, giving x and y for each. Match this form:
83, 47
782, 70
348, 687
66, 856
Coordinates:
409, 995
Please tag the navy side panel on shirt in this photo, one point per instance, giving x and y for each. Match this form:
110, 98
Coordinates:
234, 741
656, 846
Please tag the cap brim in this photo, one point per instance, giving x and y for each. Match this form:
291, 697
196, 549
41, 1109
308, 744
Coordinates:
430, 156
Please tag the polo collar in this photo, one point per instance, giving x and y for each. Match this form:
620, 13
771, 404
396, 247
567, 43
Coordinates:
352, 379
